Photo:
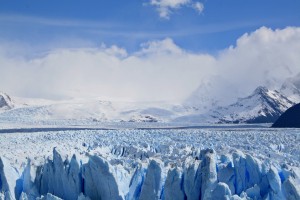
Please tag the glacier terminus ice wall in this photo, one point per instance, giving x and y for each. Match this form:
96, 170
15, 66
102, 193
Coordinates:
206, 176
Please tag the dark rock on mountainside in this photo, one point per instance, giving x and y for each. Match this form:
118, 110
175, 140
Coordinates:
5, 101
290, 118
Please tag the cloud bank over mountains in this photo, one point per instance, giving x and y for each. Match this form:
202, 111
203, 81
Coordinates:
160, 71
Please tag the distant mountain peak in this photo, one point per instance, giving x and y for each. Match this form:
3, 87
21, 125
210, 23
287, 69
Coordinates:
5, 101
262, 106
260, 90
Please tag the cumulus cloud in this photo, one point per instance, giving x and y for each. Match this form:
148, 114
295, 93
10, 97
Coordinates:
166, 7
265, 57
159, 71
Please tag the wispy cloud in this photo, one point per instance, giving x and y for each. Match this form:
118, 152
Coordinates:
14, 18
166, 7
112, 29
175, 32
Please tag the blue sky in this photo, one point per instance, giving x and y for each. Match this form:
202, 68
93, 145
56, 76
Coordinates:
147, 50
75, 23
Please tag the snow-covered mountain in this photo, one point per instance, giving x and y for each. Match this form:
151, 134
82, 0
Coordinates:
201, 100
209, 94
262, 106
291, 88
5, 102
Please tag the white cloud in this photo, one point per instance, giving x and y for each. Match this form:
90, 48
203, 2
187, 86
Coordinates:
264, 57
115, 51
25, 19
198, 6
166, 7
160, 70
166, 46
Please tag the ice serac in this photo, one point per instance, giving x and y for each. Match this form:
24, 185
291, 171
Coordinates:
152, 187
136, 183
249, 176
221, 192
253, 192
291, 189
174, 185
208, 173
8, 177
59, 178
29, 189
206, 176
275, 184
226, 172
192, 181
239, 161
253, 171
98, 181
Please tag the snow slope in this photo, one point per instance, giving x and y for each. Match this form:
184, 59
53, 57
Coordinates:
151, 164
87, 112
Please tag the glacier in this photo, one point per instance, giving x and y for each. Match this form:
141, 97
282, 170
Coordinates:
212, 163
236, 176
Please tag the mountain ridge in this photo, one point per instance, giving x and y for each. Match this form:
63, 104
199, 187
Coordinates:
262, 106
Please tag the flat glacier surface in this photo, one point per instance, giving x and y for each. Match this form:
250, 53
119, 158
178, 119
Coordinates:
274, 145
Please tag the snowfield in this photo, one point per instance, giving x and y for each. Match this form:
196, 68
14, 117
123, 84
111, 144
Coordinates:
207, 163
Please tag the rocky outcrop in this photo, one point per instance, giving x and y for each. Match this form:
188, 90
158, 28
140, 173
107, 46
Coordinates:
6, 102
289, 119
